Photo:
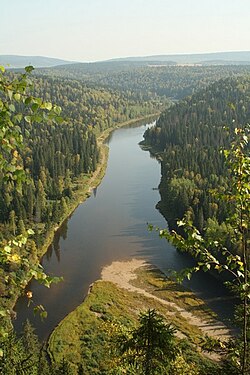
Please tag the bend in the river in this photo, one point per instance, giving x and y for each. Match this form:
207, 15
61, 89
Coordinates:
112, 225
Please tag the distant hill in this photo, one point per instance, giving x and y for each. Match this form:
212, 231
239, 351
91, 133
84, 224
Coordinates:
15, 61
216, 58
220, 58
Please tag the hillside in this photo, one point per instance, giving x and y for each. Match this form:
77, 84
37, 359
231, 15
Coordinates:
87, 338
189, 137
146, 80
15, 61
220, 58
216, 58
60, 158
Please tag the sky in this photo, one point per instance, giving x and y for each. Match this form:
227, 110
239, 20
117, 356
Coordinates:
93, 30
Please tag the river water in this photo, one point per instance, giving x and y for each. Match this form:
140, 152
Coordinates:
112, 225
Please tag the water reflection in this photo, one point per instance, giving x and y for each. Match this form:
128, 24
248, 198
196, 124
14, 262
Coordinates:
111, 225
95, 191
54, 248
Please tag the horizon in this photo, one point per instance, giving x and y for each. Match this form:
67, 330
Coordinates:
127, 57
99, 31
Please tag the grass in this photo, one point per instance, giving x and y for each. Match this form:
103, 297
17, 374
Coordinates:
154, 281
82, 191
84, 335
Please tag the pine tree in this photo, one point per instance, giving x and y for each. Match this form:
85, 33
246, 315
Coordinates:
12, 221
40, 201
64, 368
151, 346
21, 228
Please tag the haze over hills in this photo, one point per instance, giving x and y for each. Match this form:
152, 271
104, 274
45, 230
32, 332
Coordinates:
16, 61
216, 58
238, 57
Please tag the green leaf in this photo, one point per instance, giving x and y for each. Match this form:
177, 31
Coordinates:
17, 97
57, 110
12, 108
47, 105
29, 68
10, 94
43, 314
34, 107
28, 119
232, 106
181, 223
18, 117
28, 100
38, 119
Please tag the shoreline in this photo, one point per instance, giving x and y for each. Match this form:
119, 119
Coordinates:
81, 195
123, 273
94, 180
126, 289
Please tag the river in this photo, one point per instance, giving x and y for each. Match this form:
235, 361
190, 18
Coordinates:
112, 225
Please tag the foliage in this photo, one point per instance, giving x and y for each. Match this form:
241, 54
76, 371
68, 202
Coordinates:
16, 107
213, 255
88, 337
93, 107
19, 355
42, 161
146, 81
43, 158
210, 188
13, 96
189, 137
150, 347
25, 355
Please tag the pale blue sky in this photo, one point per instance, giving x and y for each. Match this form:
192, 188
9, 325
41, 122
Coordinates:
90, 30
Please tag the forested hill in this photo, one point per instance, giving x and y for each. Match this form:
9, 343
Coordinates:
59, 158
189, 136
99, 108
56, 155
195, 58
146, 79
15, 61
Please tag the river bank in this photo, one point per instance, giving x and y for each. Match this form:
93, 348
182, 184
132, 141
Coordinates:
82, 191
140, 277
111, 226
88, 183
114, 303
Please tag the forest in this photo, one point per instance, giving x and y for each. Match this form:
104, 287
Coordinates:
203, 145
189, 137
59, 153
55, 155
147, 80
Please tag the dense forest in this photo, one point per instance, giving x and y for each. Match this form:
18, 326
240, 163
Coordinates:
188, 138
56, 155
108, 347
99, 108
148, 80
93, 97
59, 156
